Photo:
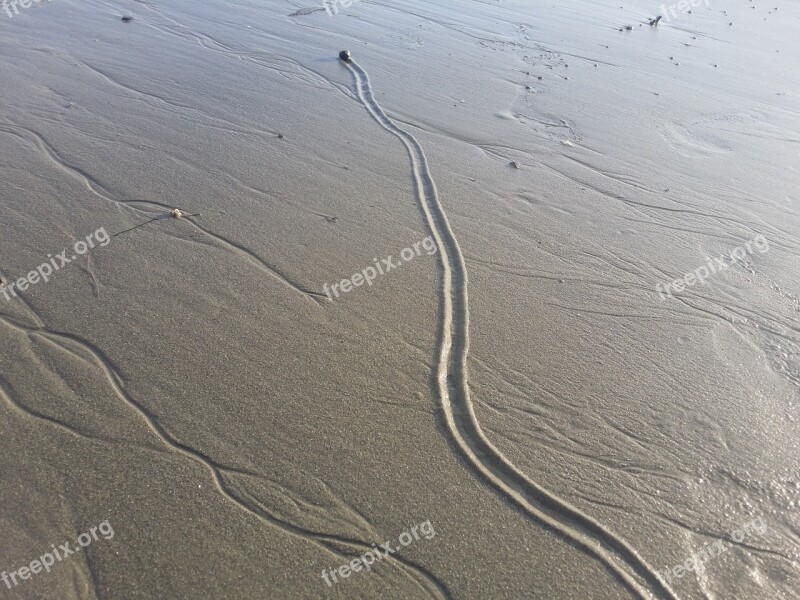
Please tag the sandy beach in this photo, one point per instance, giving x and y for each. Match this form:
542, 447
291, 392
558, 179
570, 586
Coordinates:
503, 304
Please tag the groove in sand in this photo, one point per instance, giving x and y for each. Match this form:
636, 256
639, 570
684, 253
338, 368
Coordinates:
579, 528
221, 475
139, 206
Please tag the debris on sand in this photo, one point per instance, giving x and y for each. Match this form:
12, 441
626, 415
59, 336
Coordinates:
176, 213
127, 19
654, 22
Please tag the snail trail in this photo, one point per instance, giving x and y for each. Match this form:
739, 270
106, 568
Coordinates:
451, 378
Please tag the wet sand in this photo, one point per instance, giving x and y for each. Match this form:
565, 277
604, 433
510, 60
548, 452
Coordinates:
569, 430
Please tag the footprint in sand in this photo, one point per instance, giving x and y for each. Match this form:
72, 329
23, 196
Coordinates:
692, 142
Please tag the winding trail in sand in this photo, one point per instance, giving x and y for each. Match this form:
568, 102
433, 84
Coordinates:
451, 378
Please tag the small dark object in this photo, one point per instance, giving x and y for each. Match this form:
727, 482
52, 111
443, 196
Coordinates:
127, 19
655, 21
628, 27
344, 55
280, 136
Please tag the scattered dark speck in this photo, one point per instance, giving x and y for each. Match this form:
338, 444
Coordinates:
280, 136
514, 164
127, 19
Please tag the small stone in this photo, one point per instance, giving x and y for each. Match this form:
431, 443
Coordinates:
127, 19
514, 164
344, 55
176, 213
